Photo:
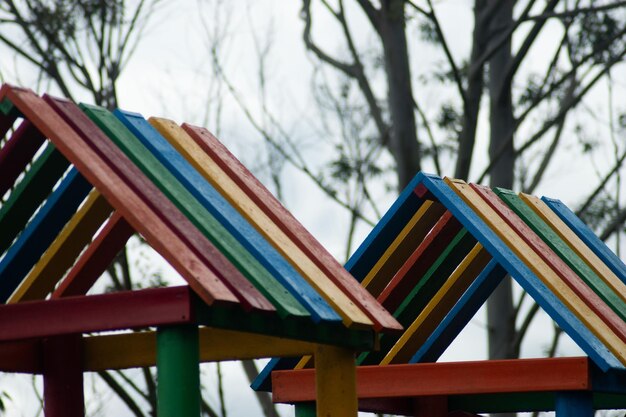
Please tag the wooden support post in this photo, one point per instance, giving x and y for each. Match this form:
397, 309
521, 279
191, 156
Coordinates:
178, 371
335, 382
63, 377
574, 404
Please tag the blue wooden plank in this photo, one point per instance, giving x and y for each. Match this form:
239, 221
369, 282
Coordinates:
574, 404
230, 218
263, 382
521, 273
388, 227
462, 312
588, 237
41, 231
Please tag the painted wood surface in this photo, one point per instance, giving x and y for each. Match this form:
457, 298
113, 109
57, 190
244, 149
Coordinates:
132, 350
169, 193
523, 275
339, 397
301, 242
178, 371
460, 315
29, 194
41, 231
230, 232
446, 378
437, 237
96, 258
350, 313
63, 377
409, 238
600, 278
438, 306
94, 166
114, 311
64, 250
588, 237
583, 287
574, 404
518, 243
17, 152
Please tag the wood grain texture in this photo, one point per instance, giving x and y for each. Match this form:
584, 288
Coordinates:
63, 377
109, 183
402, 247
600, 278
338, 398
83, 314
606, 255
461, 313
438, 306
17, 152
41, 232
30, 193
64, 250
150, 171
133, 350
405, 278
222, 224
96, 258
447, 378
611, 312
537, 264
351, 314
522, 274
301, 242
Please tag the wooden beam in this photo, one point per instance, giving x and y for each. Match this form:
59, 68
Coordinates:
90, 157
447, 378
63, 377
17, 152
64, 250
82, 314
335, 382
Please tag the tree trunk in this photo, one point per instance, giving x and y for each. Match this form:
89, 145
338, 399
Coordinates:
403, 138
500, 309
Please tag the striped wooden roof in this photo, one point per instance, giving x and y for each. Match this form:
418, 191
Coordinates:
444, 246
79, 181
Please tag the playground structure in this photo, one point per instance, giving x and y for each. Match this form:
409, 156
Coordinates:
79, 181
433, 260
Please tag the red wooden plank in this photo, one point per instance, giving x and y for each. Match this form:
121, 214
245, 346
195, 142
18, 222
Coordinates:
446, 378
292, 228
63, 377
120, 195
418, 263
21, 357
82, 314
17, 152
559, 266
96, 258
391, 406
248, 295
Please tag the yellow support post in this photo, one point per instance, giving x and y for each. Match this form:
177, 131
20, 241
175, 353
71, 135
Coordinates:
335, 382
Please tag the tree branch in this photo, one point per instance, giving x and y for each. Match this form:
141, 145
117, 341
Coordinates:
576, 11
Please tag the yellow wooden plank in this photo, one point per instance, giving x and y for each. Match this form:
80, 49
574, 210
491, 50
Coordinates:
541, 269
335, 382
571, 238
64, 250
132, 350
352, 316
402, 246
436, 309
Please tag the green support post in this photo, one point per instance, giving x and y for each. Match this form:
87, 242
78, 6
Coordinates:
305, 409
178, 371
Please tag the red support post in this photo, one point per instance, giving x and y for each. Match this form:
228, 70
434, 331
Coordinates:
63, 377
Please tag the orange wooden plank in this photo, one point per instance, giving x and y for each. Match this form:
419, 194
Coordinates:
446, 378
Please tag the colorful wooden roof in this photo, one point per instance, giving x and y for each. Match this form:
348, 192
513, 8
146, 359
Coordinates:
79, 181
444, 246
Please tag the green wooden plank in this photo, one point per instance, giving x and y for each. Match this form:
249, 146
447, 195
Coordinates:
564, 251
421, 294
8, 109
284, 302
29, 193
305, 410
178, 371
